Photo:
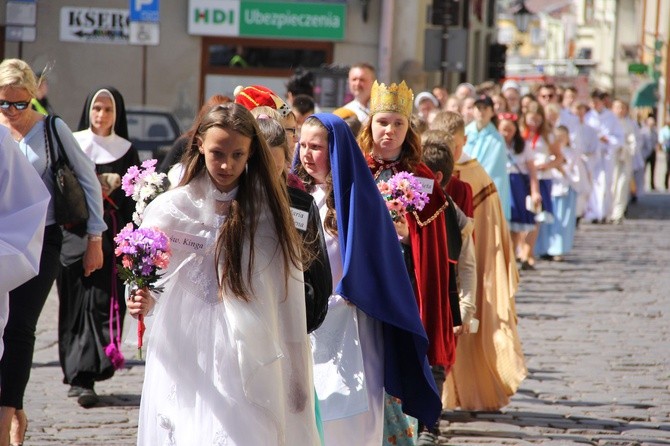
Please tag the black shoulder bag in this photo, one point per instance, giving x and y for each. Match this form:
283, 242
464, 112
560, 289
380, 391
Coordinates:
69, 199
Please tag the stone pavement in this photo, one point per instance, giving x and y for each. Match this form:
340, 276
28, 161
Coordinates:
595, 330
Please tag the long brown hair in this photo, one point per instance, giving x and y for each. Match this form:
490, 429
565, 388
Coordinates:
543, 130
410, 153
330, 222
259, 186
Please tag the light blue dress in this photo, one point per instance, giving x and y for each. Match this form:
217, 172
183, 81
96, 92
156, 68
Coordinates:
556, 238
488, 147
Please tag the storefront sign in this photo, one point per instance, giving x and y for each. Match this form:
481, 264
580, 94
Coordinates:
266, 19
94, 25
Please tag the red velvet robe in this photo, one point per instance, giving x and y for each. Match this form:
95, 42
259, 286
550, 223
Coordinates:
461, 193
428, 241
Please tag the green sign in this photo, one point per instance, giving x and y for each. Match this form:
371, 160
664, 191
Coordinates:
301, 20
267, 19
637, 68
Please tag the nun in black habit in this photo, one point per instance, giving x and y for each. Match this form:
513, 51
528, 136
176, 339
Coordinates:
92, 308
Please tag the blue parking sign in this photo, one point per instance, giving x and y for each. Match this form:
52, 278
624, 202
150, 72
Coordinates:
144, 10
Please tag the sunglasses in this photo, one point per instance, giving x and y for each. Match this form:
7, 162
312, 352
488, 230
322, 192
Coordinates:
19, 105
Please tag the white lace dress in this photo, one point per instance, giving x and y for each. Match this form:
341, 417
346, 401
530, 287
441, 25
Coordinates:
223, 372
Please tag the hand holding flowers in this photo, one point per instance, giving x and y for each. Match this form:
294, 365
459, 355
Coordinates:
402, 194
143, 252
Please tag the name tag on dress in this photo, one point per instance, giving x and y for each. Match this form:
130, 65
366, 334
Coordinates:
426, 184
300, 218
181, 241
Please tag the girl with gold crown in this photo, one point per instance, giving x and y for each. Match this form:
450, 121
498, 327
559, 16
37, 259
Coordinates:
391, 146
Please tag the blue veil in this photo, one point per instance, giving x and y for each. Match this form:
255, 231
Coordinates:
375, 277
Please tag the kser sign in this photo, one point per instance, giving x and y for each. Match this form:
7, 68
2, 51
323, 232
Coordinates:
94, 25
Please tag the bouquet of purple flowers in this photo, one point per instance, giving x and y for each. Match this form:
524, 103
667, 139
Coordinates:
143, 252
143, 185
402, 194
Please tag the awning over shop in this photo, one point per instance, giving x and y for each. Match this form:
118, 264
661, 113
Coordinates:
646, 95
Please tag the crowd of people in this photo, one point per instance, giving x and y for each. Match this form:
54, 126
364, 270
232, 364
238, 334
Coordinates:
304, 312
569, 158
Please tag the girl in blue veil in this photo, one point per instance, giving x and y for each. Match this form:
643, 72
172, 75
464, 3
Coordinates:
372, 339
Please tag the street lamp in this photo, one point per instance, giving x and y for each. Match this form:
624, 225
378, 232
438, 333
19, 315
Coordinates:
522, 16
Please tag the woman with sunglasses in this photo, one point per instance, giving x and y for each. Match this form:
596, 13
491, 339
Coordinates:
18, 87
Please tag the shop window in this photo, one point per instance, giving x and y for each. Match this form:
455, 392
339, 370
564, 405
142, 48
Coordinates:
263, 57
256, 56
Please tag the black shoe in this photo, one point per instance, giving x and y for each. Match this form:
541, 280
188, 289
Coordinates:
75, 391
426, 438
88, 398
525, 266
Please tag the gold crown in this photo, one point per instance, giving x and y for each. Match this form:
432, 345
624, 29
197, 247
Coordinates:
396, 98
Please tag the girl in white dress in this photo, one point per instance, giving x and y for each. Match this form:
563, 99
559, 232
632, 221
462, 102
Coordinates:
536, 131
228, 359
348, 347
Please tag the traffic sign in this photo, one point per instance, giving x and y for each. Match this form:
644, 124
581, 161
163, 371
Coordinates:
144, 10
144, 33
21, 13
20, 33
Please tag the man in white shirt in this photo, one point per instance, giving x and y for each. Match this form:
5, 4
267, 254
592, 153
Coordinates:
567, 117
623, 160
585, 140
610, 134
361, 77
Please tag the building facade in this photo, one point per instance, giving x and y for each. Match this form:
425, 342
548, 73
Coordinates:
653, 43
191, 49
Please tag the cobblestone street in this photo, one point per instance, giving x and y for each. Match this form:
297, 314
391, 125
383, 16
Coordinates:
595, 330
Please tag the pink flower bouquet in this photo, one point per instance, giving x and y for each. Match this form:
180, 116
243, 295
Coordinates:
143, 252
402, 194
